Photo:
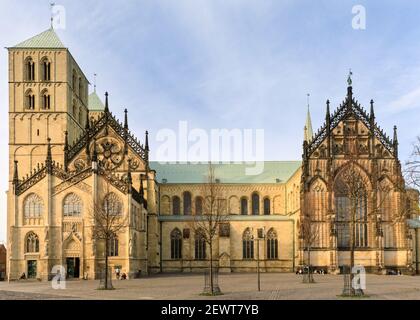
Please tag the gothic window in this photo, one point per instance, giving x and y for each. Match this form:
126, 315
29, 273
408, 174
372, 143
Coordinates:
29, 100
244, 206
272, 245
198, 206
176, 244
255, 204
176, 206
187, 203
316, 201
344, 207
32, 243
46, 69
112, 204
72, 206
247, 244
266, 206
387, 198
200, 245
74, 109
113, 246
33, 206
80, 87
30, 69
74, 78
45, 100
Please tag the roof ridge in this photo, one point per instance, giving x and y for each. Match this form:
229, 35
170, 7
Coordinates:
44, 39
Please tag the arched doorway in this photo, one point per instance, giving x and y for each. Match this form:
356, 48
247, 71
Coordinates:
72, 258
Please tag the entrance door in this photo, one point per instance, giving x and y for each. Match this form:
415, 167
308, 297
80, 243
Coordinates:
73, 267
31, 269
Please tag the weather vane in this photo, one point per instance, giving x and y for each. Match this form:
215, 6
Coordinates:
52, 4
349, 81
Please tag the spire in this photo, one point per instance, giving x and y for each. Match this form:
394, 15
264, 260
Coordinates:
327, 113
125, 119
66, 149
106, 102
395, 142
349, 88
48, 160
372, 113
15, 174
147, 141
308, 133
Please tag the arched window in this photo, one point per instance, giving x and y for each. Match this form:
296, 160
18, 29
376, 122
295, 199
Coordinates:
272, 245
46, 69
244, 206
74, 78
29, 69
45, 100
29, 100
112, 204
113, 246
176, 206
187, 203
247, 244
200, 245
80, 87
198, 206
33, 206
255, 204
266, 206
176, 244
346, 202
32, 243
72, 206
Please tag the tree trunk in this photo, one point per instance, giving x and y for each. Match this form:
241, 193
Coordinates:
211, 268
106, 264
352, 232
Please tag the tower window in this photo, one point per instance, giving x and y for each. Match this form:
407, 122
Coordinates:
46, 69
30, 100
37, 132
45, 100
29, 69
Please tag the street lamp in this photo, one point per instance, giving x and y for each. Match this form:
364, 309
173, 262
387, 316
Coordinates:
260, 236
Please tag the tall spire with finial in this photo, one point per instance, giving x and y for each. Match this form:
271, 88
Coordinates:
106, 102
48, 160
395, 142
15, 174
66, 149
349, 90
308, 133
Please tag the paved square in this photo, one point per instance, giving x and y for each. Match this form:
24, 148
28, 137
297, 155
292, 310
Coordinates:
235, 286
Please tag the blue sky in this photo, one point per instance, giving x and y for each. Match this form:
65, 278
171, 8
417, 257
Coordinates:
233, 64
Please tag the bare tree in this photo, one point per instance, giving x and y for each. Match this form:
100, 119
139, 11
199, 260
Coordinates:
212, 216
309, 232
108, 221
412, 166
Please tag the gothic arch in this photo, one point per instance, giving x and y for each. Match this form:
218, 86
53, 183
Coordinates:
339, 171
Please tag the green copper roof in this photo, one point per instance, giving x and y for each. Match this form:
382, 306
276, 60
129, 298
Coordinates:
95, 103
227, 172
46, 39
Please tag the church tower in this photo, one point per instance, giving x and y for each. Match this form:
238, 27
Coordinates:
48, 99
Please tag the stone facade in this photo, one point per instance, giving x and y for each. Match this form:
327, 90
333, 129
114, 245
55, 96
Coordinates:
66, 157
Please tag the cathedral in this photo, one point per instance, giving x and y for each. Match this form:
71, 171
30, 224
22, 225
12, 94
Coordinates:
68, 154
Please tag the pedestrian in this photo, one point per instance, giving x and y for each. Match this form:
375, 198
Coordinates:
117, 272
